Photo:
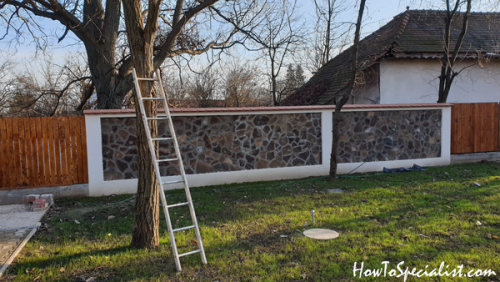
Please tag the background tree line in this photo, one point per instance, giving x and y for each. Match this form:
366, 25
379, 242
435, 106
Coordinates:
265, 38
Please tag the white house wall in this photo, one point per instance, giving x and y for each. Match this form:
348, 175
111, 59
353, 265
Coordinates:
367, 95
368, 92
416, 81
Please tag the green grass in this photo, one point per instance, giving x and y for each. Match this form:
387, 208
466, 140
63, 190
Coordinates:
379, 218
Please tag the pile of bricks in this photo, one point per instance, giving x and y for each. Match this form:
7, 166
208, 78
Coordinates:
39, 202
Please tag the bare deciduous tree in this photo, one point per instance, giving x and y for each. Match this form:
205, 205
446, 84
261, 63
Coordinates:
96, 23
346, 94
277, 35
5, 83
175, 87
327, 32
49, 90
241, 87
448, 73
202, 88
288, 85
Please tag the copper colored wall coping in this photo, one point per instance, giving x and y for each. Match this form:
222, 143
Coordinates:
273, 109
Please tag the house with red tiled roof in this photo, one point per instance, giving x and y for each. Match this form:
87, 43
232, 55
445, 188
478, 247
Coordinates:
400, 63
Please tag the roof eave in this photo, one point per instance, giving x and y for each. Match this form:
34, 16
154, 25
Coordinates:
434, 55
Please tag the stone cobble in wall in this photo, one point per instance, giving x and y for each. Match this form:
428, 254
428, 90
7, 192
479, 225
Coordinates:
218, 143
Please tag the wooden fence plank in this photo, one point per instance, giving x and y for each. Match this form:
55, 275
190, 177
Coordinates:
74, 154
69, 155
457, 129
10, 154
79, 149
453, 129
459, 119
492, 132
16, 153
33, 155
469, 128
39, 138
29, 156
62, 154
23, 150
57, 150
51, 152
46, 151
5, 149
483, 120
476, 132
84, 150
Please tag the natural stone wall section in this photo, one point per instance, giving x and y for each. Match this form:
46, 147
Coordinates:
389, 135
218, 143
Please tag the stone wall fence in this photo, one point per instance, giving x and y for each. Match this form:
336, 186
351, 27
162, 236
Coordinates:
234, 145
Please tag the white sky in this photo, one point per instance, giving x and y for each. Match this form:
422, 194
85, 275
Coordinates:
378, 13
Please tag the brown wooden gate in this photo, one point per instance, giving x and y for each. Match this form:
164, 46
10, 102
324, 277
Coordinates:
42, 151
474, 128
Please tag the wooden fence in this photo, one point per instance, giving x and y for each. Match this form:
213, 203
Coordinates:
42, 151
475, 128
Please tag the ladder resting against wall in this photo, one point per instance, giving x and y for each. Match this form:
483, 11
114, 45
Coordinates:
156, 162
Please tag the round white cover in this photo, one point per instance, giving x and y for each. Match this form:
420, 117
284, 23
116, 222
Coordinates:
321, 234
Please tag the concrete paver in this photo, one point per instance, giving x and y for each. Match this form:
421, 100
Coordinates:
9, 241
17, 224
18, 216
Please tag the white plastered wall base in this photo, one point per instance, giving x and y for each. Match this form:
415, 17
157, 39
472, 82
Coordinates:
218, 178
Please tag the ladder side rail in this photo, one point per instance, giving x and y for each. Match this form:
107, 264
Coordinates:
157, 171
181, 168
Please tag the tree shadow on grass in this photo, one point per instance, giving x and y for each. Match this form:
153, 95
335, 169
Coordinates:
257, 251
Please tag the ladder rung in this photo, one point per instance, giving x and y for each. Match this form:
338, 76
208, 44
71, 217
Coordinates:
149, 98
157, 118
162, 139
167, 160
189, 253
183, 228
178, 205
148, 79
172, 182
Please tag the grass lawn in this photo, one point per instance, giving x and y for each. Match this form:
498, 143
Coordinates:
421, 218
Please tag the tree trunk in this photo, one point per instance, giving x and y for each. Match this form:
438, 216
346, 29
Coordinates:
445, 85
442, 96
147, 207
101, 65
346, 95
273, 84
447, 73
275, 98
335, 145
102, 26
